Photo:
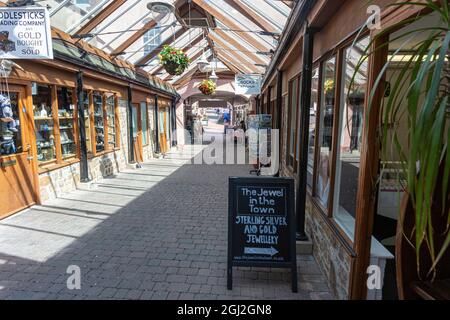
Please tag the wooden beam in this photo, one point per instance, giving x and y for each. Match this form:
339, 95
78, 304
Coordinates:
189, 74
155, 51
229, 59
136, 36
228, 64
236, 57
230, 24
237, 45
100, 17
250, 14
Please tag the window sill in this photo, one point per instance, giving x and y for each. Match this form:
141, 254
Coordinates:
55, 166
102, 153
335, 229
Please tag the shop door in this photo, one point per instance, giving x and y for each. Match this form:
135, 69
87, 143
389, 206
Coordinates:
137, 133
164, 129
17, 185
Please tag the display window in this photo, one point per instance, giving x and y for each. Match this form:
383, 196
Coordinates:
10, 129
67, 120
87, 98
327, 112
44, 123
313, 111
110, 102
144, 120
348, 151
99, 122
292, 121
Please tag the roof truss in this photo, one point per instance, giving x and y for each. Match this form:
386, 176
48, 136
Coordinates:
100, 17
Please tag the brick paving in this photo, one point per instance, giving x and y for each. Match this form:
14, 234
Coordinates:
159, 232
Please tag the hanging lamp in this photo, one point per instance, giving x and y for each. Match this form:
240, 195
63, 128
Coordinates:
213, 77
202, 63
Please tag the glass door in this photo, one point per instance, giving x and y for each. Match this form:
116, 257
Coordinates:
17, 187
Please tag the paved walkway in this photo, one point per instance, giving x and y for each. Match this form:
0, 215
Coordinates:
159, 232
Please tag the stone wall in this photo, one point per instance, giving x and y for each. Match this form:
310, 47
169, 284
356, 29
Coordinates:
328, 251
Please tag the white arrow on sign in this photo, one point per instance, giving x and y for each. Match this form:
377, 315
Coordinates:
264, 251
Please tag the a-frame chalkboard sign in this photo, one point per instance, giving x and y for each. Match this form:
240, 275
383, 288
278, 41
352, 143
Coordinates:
261, 225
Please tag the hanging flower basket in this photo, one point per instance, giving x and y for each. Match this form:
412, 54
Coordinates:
174, 61
207, 87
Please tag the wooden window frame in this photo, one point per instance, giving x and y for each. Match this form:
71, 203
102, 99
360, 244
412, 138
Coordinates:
108, 148
59, 161
327, 212
147, 119
293, 165
312, 188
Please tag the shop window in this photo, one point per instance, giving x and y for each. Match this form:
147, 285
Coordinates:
99, 122
134, 117
297, 146
313, 109
144, 120
292, 117
44, 123
327, 109
10, 131
66, 118
348, 152
111, 120
87, 119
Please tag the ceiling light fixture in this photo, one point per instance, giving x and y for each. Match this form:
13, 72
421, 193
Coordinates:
160, 9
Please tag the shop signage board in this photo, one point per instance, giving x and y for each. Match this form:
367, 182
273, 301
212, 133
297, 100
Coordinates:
261, 225
247, 84
25, 33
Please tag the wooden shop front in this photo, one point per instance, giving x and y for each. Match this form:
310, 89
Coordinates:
42, 159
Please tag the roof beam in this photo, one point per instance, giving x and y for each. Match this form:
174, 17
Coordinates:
228, 64
250, 14
155, 51
237, 45
224, 56
133, 38
188, 75
100, 17
238, 58
230, 24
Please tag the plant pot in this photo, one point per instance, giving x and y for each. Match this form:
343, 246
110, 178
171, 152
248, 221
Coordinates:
173, 68
408, 278
206, 92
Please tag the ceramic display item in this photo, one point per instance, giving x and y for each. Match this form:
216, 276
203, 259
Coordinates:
7, 113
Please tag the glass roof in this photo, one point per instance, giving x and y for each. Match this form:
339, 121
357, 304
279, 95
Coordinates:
239, 33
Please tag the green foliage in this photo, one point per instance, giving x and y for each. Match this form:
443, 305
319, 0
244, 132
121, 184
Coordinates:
207, 87
172, 56
422, 85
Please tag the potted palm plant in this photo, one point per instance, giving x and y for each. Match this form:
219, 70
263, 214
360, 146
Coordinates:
418, 98
174, 61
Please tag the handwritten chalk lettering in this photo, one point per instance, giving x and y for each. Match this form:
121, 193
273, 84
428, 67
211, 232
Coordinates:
258, 220
262, 239
262, 192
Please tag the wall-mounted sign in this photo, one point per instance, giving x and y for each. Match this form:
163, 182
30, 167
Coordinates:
25, 33
247, 84
261, 224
